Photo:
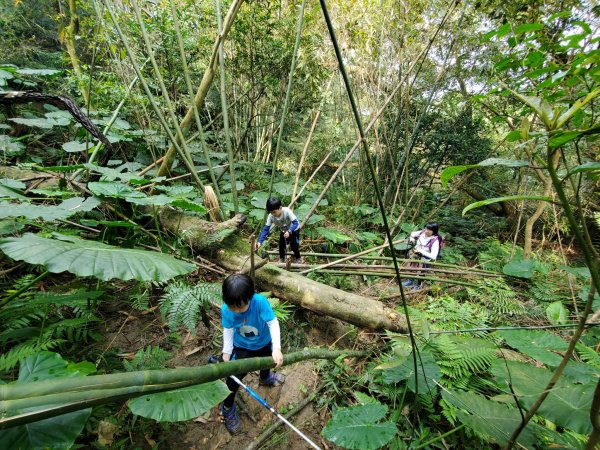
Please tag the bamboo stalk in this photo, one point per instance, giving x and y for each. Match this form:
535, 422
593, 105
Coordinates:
207, 79
146, 88
288, 93
72, 394
225, 112
388, 258
188, 82
184, 152
390, 274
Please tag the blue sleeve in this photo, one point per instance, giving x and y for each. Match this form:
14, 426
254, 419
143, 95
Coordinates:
263, 234
266, 312
294, 225
226, 317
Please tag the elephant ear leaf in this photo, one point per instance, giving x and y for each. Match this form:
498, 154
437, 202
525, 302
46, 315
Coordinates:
57, 432
180, 404
90, 258
359, 427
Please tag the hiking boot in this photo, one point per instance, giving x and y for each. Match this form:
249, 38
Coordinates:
281, 260
416, 288
299, 260
407, 283
231, 419
274, 379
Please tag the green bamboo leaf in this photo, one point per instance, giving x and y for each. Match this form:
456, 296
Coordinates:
89, 258
560, 138
536, 344
563, 118
557, 314
357, 427
528, 27
449, 172
180, 404
592, 166
508, 198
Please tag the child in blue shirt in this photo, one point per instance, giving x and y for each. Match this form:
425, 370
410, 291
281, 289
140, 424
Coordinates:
250, 329
285, 219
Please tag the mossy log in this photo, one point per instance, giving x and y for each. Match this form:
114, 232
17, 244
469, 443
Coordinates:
234, 255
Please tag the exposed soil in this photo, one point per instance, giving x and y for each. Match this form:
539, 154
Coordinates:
129, 331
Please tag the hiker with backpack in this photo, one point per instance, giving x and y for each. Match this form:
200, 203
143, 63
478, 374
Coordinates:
427, 245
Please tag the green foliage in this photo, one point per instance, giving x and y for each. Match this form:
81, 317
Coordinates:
498, 298
180, 404
149, 358
44, 321
462, 359
446, 313
182, 304
91, 258
57, 432
537, 344
495, 254
359, 427
568, 405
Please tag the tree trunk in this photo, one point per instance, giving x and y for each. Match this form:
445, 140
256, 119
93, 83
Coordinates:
356, 309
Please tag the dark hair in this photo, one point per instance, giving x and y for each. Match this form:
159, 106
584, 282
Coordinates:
273, 203
433, 226
238, 289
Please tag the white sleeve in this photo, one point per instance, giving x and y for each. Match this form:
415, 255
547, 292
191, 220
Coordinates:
228, 340
435, 250
275, 333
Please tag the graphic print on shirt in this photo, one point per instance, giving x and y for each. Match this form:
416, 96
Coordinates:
248, 331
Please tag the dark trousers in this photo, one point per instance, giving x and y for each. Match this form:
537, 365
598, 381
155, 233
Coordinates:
242, 353
293, 240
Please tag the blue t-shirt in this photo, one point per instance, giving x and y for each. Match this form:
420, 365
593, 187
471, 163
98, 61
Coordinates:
250, 329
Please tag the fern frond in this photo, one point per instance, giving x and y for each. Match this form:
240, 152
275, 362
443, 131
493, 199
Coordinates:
149, 358
73, 330
589, 355
11, 358
181, 303
498, 298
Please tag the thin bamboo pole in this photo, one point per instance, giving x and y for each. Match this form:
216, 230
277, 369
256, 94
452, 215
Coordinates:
288, 93
306, 144
207, 79
157, 111
225, 112
188, 83
184, 154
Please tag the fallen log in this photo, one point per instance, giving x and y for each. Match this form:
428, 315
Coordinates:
234, 255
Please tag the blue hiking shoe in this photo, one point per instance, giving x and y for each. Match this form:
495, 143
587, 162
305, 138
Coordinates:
274, 379
407, 283
416, 288
231, 419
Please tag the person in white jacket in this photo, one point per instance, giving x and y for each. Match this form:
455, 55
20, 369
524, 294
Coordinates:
427, 244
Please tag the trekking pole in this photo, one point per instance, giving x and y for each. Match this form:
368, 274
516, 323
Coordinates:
274, 412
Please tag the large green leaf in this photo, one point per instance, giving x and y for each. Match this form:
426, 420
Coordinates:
508, 198
357, 427
490, 419
180, 404
89, 258
333, 235
567, 405
427, 370
521, 268
451, 171
57, 432
66, 209
557, 314
593, 166
536, 344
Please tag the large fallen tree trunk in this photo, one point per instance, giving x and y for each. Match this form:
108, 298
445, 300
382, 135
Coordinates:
234, 255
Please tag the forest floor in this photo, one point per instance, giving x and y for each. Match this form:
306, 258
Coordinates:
127, 331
